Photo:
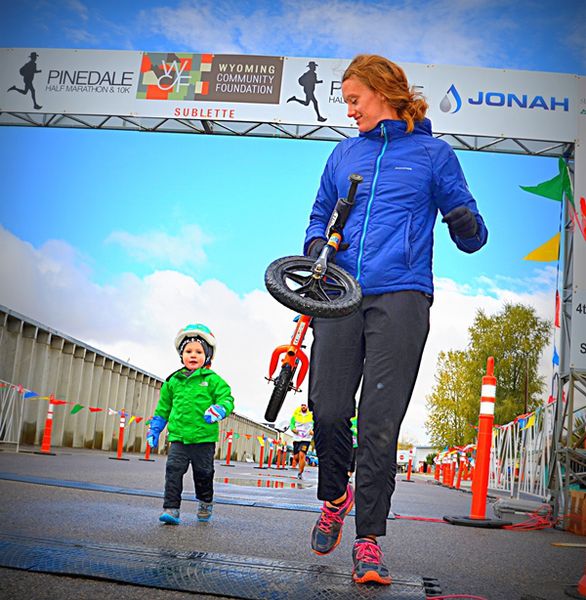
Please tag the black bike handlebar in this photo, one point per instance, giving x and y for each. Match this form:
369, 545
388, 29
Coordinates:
343, 206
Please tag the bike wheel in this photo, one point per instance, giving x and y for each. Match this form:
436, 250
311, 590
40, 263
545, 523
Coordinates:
290, 281
283, 384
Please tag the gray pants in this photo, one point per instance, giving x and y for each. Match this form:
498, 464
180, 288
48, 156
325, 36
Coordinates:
382, 344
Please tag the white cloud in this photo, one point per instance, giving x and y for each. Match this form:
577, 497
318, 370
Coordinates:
202, 27
135, 319
80, 36
186, 248
79, 8
439, 33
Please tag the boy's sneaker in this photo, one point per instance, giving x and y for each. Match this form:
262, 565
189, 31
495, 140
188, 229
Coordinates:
170, 516
368, 563
300, 476
327, 532
204, 512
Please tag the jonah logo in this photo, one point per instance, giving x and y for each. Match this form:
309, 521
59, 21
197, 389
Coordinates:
451, 102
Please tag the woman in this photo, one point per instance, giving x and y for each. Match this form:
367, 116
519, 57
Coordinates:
408, 176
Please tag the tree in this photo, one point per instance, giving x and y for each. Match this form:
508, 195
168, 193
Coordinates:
405, 443
515, 337
451, 404
429, 458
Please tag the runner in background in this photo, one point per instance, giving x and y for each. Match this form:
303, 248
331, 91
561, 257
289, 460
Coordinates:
302, 429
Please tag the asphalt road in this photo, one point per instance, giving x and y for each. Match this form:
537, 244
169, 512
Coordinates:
85, 496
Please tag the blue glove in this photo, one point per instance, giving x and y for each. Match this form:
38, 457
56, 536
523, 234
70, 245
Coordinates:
214, 414
157, 425
461, 222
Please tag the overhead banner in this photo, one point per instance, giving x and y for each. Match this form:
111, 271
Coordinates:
303, 91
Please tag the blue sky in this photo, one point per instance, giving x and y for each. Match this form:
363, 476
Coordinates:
118, 238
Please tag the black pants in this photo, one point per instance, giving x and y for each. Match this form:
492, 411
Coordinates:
382, 344
201, 458
352, 464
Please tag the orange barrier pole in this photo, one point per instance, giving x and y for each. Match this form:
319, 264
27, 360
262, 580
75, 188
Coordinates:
582, 584
230, 435
262, 457
410, 465
46, 443
120, 438
437, 470
147, 451
121, 435
460, 469
477, 517
283, 462
485, 423
270, 461
147, 454
454, 466
578, 590
279, 453
465, 469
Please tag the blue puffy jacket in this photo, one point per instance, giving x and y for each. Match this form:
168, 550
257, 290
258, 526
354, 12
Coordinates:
408, 177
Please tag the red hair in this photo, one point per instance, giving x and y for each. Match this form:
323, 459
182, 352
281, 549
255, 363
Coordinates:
384, 76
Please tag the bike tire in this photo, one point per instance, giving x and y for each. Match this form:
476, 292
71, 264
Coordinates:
336, 295
282, 386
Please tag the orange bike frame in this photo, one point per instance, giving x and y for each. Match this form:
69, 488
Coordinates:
293, 353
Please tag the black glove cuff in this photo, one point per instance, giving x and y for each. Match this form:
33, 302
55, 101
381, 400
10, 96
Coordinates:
315, 247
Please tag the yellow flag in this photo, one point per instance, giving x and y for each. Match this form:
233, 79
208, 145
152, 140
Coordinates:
260, 440
546, 252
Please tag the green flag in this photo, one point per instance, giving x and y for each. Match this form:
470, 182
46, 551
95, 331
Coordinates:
76, 408
554, 188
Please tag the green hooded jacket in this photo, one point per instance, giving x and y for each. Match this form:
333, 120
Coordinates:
185, 397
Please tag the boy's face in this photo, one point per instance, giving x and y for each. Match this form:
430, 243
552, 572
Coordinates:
193, 356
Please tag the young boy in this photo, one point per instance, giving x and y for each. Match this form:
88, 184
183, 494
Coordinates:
192, 401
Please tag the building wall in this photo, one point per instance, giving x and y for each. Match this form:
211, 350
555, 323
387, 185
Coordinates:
49, 362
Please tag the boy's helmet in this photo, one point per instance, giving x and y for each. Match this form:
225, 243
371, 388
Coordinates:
200, 333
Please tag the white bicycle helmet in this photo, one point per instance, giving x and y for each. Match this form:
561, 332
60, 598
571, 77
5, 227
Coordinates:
200, 333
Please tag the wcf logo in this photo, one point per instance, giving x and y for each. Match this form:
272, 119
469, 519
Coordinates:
452, 101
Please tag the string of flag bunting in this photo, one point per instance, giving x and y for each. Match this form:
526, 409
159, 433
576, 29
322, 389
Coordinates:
262, 439
525, 421
76, 406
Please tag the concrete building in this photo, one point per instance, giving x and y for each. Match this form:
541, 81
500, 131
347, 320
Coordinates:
39, 364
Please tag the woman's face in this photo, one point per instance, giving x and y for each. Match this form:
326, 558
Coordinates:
365, 106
